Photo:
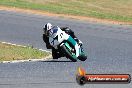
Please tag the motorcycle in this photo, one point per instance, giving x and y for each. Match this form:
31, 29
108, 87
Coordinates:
58, 39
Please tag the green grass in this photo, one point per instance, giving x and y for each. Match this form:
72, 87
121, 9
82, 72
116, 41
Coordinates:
9, 52
119, 10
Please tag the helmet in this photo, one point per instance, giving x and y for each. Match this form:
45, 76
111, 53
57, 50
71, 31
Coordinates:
47, 27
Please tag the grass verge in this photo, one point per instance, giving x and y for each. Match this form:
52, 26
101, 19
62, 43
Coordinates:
118, 10
10, 52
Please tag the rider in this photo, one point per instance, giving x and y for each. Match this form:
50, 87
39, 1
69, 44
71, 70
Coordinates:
55, 52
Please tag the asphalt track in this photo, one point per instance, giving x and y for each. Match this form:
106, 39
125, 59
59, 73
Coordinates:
109, 50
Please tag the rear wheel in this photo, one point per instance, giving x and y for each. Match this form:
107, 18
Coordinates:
55, 53
69, 54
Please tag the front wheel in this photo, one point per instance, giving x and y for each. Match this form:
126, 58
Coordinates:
82, 56
69, 54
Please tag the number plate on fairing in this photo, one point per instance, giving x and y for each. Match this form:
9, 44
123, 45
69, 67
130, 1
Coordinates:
57, 37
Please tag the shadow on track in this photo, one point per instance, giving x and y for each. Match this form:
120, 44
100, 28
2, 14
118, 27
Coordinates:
56, 61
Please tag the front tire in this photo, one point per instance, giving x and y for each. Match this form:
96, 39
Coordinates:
82, 56
68, 53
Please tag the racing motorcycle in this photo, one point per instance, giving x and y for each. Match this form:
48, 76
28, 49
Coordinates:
58, 39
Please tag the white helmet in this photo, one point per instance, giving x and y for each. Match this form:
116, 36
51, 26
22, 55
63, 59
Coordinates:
47, 27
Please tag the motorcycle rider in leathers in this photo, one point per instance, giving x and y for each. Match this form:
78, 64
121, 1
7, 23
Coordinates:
55, 52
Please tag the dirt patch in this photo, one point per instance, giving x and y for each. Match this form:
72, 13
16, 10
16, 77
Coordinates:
106, 21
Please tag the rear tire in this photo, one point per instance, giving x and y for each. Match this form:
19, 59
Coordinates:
55, 54
68, 54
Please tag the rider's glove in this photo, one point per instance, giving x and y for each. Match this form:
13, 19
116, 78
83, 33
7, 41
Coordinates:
80, 42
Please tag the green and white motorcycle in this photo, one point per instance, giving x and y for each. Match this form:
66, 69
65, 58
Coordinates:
66, 45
